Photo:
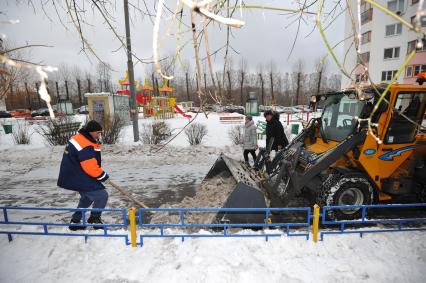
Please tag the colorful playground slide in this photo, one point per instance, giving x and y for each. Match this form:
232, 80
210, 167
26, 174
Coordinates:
177, 108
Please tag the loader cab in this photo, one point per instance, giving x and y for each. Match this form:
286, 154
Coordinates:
342, 110
339, 117
407, 114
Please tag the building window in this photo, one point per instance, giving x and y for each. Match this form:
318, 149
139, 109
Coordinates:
363, 58
365, 6
396, 5
391, 53
414, 70
393, 29
366, 37
412, 45
422, 20
361, 78
409, 71
388, 75
366, 12
367, 16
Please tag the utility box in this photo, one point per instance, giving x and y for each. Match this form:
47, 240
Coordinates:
65, 107
104, 106
252, 105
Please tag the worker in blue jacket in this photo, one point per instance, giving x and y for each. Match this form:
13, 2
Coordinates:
81, 171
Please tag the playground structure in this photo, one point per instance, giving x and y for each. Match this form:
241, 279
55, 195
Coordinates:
161, 106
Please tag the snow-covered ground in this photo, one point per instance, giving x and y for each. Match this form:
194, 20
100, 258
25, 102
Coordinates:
395, 257
28, 175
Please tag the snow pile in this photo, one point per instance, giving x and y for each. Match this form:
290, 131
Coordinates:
211, 193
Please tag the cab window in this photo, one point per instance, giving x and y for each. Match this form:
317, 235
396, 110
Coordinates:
401, 130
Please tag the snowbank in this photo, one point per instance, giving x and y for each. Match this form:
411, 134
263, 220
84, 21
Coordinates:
395, 257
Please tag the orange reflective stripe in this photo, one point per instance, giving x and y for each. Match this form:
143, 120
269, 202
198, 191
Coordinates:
91, 167
84, 142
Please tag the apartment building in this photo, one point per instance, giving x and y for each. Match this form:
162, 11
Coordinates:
384, 43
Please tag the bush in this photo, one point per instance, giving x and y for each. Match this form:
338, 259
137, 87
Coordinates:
59, 130
21, 133
236, 134
155, 133
195, 133
112, 130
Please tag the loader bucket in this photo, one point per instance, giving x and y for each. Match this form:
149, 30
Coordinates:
240, 171
245, 194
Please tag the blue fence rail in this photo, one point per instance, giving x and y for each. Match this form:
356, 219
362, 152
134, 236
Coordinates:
182, 225
368, 218
8, 214
368, 222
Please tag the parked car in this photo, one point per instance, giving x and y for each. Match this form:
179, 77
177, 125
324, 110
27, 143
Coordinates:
194, 109
21, 113
5, 114
280, 109
289, 110
42, 112
234, 109
303, 108
263, 108
208, 107
83, 109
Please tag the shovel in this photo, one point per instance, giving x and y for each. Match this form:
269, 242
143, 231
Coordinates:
127, 194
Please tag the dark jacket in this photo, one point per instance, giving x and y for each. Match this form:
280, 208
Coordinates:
81, 165
275, 129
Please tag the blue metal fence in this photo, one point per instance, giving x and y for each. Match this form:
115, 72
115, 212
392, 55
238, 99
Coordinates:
368, 222
364, 224
8, 214
182, 225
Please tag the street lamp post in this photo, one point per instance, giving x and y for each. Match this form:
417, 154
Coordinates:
133, 110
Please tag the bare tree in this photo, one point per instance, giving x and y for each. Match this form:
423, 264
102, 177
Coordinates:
271, 78
13, 80
261, 82
318, 78
287, 89
297, 77
241, 77
103, 72
78, 74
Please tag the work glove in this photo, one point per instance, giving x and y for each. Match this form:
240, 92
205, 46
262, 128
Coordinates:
103, 177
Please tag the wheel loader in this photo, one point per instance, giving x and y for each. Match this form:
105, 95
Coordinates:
341, 158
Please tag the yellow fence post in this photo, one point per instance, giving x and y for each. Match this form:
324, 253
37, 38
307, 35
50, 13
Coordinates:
132, 219
315, 224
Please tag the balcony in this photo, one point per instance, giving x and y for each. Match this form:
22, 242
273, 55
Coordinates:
367, 16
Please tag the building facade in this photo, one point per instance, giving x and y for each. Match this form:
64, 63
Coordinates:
384, 43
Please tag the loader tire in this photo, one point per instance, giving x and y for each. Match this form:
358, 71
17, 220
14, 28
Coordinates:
345, 189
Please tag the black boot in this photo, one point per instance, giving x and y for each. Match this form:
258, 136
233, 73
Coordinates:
95, 219
76, 227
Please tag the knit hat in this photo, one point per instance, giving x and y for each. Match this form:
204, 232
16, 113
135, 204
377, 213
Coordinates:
93, 126
248, 117
268, 112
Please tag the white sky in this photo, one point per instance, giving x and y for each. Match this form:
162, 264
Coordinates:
265, 37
